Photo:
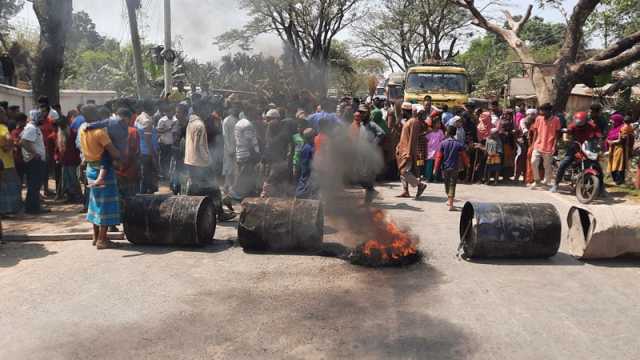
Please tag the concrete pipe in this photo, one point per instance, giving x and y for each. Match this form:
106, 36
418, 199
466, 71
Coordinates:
604, 232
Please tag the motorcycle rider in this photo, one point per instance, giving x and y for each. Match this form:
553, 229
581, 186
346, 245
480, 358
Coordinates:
581, 130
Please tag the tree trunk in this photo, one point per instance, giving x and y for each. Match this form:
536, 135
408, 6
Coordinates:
132, 5
564, 83
54, 17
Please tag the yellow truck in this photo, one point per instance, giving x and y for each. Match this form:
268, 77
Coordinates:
445, 83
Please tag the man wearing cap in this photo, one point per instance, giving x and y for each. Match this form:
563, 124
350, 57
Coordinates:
407, 154
277, 142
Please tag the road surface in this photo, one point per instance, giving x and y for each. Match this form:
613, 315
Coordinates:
69, 301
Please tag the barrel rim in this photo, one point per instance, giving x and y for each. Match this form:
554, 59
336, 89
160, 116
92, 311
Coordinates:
204, 204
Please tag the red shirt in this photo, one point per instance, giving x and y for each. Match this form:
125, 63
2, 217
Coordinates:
129, 165
17, 152
587, 132
70, 155
546, 134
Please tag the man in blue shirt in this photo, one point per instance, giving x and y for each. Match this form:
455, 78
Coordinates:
449, 155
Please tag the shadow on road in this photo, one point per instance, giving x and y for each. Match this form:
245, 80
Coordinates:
362, 313
561, 259
12, 253
435, 199
399, 206
215, 247
615, 263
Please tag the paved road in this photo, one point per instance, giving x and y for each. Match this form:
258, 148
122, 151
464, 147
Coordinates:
67, 301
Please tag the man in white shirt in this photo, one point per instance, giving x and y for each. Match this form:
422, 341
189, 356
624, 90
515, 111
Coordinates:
247, 157
229, 136
166, 139
34, 154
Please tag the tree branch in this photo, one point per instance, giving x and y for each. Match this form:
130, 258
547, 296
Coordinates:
517, 26
621, 84
592, 68
574, 34
618, 47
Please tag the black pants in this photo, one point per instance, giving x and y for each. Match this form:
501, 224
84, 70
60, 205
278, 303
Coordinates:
166, 153
36, 174
568, 160
149, 181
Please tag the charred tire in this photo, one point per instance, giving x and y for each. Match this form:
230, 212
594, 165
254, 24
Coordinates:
587, 188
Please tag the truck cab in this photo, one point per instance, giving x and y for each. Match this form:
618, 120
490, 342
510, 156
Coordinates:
445, 83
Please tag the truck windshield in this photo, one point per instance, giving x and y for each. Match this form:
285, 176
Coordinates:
432, 82
395, 92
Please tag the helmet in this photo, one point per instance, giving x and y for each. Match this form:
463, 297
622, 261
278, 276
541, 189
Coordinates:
580, 119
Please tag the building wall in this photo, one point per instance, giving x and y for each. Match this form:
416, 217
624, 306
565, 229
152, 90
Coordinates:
69, 99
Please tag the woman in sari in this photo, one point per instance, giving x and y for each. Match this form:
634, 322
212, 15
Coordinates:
485, 125
618, 148
618, 152
69, 156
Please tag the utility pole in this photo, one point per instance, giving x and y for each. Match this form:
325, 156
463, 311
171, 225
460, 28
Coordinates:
132, 6
168, 68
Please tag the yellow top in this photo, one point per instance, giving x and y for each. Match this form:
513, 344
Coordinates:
6, 156
93, 143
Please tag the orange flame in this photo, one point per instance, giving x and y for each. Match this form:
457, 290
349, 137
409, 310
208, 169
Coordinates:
392, 243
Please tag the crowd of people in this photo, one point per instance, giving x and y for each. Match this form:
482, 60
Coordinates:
100, 155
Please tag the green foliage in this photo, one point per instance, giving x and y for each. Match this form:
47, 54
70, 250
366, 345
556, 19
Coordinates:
539, 34
350, 74
8, 9
83, 33
614, 19
489, 64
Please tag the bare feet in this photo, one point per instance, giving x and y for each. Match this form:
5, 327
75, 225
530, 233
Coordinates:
405, 195
102, 245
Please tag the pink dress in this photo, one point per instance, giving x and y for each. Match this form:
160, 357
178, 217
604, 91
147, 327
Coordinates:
434, 139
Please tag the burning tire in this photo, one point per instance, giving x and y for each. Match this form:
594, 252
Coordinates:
391, 247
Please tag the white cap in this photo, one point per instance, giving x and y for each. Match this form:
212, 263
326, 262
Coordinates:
273, 114
54, 115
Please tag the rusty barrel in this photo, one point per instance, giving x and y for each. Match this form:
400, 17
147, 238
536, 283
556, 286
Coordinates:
604, 232
281, 225
169, 220
495, 230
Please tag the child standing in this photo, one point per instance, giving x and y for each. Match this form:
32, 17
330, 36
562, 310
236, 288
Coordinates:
494, 151
434, 139
448, 157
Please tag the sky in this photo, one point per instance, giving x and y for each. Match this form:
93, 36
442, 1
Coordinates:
197, 22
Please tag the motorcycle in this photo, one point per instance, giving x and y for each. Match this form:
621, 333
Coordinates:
585, 173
